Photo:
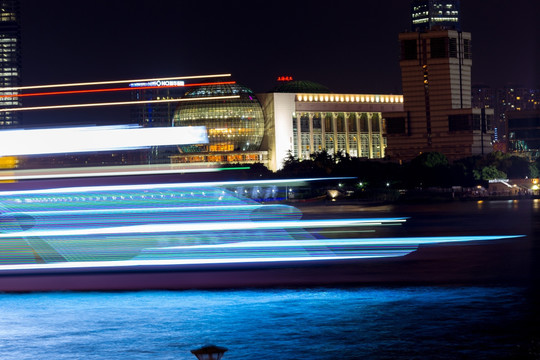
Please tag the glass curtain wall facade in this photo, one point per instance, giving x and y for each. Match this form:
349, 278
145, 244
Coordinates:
10, 62
359, 134
235, 126
438, 14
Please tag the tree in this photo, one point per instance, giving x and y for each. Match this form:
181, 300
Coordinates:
488, 173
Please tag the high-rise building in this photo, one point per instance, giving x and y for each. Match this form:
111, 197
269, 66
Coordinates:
156, 114
431, 14
504, 101
10, 62
436, 63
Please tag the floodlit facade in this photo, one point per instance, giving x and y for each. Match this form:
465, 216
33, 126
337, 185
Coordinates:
297, 117
10, 62
303, 123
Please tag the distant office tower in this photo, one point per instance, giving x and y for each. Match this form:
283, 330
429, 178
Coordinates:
431, 14
156, 114
10, 61
436, 63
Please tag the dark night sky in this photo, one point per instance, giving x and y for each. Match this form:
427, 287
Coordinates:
349, 46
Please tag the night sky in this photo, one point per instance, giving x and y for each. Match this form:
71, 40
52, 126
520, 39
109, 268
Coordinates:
347, 46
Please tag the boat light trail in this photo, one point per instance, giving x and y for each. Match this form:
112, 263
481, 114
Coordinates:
172, 186
114, 82
116, 103
308, 246
60, 173
345, 242
206, 227
95, 138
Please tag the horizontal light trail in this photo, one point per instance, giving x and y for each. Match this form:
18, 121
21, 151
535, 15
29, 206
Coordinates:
71, 92
104, 171
172, 186
116, 103
114, 82
95, 138
239, 259
414, 241
145, 263
205, 227
145, 209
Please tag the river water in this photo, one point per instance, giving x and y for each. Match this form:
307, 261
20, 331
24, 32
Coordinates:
481, 302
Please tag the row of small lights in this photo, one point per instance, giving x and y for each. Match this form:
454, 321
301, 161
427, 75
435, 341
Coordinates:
104, 198
351, 98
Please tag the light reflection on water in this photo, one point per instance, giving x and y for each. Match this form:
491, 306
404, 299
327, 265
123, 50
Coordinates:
321, 323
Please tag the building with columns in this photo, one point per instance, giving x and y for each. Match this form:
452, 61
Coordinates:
302, 118
297, 117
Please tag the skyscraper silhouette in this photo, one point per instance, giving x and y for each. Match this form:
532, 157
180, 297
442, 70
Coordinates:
10, 62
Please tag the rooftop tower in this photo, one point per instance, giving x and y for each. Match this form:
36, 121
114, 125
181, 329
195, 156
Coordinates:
436, 61
435, 14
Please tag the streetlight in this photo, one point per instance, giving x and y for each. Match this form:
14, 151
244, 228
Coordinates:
209, 352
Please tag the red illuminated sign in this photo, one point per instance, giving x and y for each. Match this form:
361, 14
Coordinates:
284, 78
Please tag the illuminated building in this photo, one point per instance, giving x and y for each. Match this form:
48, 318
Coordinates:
503, 101
436, 78
160, 114
442, 14
10, 61
235, 126
300, 117
304, 118
524, 133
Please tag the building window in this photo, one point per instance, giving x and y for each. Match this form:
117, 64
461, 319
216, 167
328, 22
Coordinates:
395, 125
375, 123
364, 127
452, 48
351, 122
328, 125
340, 122
317, 121
438, 48
467, 51
409, 50
460, 122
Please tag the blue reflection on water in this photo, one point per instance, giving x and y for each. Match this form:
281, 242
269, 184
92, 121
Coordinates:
371, 323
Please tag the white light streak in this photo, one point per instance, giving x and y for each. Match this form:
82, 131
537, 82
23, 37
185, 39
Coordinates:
96, 138
193, 227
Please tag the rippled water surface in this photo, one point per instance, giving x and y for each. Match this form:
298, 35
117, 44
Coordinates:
320, 323
487, 319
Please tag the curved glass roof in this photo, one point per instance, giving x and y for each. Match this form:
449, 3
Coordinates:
232, 124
